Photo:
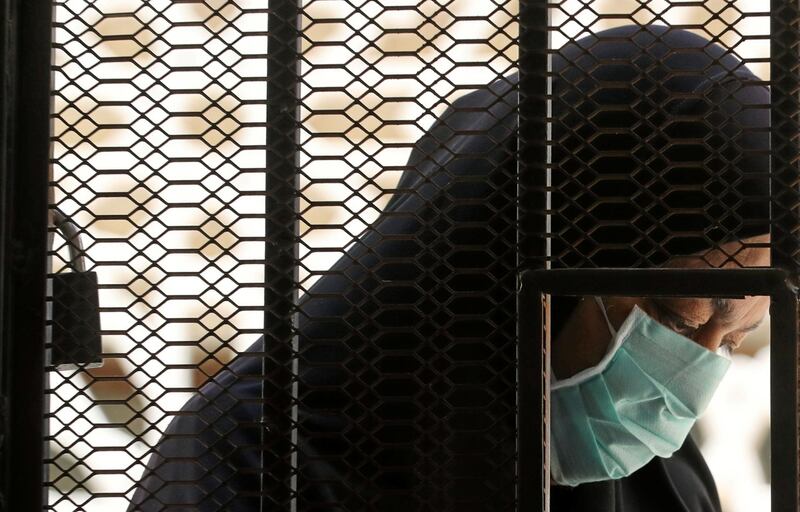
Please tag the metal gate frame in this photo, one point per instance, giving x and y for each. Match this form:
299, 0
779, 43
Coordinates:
779, 282
533, 359
25, 28
24, 162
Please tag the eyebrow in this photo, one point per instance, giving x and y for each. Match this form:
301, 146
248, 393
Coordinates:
724, 307
721, 306
667, 311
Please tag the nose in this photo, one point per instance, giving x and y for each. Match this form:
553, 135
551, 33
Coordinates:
709, 336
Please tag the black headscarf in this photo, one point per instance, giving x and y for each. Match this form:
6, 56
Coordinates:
407, 345
660, 148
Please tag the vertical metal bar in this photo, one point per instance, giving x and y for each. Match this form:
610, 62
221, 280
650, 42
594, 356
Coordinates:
785, 147
281, 258
532, 136
785, 248
532, 158
24, 163
532, 420
783, 401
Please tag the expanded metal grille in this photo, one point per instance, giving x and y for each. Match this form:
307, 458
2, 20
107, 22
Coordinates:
659, 139
166, 116
303, 219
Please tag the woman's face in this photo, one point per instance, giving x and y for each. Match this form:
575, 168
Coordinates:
710, 322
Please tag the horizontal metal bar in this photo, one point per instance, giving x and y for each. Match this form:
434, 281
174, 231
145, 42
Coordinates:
659, 282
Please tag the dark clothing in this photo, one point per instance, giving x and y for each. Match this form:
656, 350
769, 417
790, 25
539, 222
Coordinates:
407, 352
681, 483
202, 463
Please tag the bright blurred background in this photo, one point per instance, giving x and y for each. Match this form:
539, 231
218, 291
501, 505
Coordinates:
159, 147
734, 432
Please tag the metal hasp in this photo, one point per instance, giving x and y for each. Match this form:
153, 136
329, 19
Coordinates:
25, 35
774, 283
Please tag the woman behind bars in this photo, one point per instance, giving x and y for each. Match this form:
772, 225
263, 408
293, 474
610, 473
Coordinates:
406, 378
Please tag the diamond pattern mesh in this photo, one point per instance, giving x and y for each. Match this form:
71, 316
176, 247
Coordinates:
660, 150
160, 145
387, 379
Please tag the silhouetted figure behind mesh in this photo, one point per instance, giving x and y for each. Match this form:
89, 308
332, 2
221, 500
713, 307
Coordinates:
407, 347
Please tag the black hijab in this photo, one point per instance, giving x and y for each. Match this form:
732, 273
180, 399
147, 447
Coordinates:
660, 148
407, 345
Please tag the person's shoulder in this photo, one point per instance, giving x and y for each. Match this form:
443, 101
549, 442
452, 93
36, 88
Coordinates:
476, 112
501, 92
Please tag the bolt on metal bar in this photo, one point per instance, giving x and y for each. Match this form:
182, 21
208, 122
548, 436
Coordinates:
281, 273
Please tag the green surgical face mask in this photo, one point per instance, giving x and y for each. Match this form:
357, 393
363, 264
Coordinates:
640, 401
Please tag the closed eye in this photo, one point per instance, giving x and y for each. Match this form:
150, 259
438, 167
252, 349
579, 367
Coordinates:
674, 321
735, 339
684, 329
751, 328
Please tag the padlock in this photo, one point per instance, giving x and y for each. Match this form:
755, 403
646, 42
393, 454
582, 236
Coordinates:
75, 339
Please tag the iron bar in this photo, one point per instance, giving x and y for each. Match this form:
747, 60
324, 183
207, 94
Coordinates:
785, 125
280, 346
24, 164
533, 158
783, 400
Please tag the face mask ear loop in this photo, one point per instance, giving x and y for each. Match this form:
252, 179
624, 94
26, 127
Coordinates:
605, 315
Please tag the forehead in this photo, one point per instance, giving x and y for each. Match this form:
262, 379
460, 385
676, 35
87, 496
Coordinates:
694, 308
700, 309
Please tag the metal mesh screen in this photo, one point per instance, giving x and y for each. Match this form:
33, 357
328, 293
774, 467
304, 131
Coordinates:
161, 140
302, 221
658, 149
